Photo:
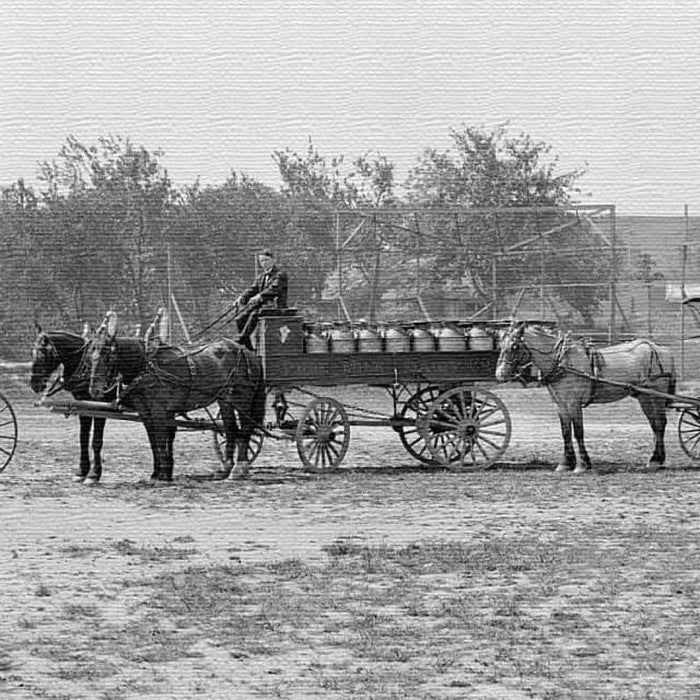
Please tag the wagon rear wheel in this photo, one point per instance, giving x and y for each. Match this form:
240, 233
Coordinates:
467, 428
8, 432
415, 410
219, 437
323, 434
689, 432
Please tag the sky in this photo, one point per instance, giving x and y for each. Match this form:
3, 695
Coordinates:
218, 85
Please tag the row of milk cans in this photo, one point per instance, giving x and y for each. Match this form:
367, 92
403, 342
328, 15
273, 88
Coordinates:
395, 338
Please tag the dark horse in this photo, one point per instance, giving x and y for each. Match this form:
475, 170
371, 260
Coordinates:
576, 375
167, 381
51, 350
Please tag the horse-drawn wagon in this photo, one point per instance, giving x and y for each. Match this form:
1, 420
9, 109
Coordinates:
435, 380
440, 408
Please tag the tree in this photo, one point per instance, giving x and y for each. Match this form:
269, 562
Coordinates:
216, 232
317, 186
489, 170
108, 208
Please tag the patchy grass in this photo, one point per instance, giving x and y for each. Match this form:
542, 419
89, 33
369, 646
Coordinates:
565, 615
152, 553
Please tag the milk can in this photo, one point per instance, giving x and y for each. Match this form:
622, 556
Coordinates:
422, 339
450, 339
480, 339
368, 340
342, 339
396, 340
316, 339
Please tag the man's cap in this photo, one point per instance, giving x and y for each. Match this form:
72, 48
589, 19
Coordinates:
266, 252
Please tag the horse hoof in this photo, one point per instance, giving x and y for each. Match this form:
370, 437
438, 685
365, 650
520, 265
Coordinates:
221, 474
240, 471
239, 476
90, 481
562, 468
78, 478
581, 470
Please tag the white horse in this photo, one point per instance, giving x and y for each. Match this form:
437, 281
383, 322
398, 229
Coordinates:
576, 375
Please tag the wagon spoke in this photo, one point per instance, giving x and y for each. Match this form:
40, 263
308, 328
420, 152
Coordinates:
490, 424
9, 432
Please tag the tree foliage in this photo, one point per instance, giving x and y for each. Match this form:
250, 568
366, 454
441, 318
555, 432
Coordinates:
509, 187
106, 228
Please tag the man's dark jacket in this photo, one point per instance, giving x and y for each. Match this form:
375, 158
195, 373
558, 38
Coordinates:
272, 288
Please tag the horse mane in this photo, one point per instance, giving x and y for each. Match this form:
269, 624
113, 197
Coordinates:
63, 334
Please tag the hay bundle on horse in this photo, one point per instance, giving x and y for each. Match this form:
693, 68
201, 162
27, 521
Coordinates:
51, 350
577, 375
166, 381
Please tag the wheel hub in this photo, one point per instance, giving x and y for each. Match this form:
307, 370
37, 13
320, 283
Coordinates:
325, 434
468, 428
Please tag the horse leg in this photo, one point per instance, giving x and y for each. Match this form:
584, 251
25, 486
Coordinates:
149, 424
228, 418
171, 431
569, 460
583, 463
161, 437
237, 437
95, 473
655, 410
84, 467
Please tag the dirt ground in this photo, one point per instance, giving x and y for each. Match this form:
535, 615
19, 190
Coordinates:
600, 591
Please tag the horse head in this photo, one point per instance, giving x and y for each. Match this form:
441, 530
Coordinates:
103, 356
514, 357
45, 360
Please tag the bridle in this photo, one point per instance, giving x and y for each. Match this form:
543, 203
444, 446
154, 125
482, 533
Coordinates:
519, 361
47, 355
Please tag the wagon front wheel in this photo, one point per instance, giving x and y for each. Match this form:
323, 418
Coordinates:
323, 434
219, 436
689, 432
8, 432
467, 428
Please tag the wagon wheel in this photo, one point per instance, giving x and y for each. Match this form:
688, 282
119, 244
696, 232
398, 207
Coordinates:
323, 434
467, 428
415, 410
254, 446
8, 432
689, 432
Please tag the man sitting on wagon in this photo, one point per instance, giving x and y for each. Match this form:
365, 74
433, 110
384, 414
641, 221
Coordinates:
268, 291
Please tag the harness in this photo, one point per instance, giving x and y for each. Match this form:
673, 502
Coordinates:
595, 364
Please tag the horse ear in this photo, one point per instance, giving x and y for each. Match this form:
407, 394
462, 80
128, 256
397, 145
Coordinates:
37, 327
111, 323
86, 330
